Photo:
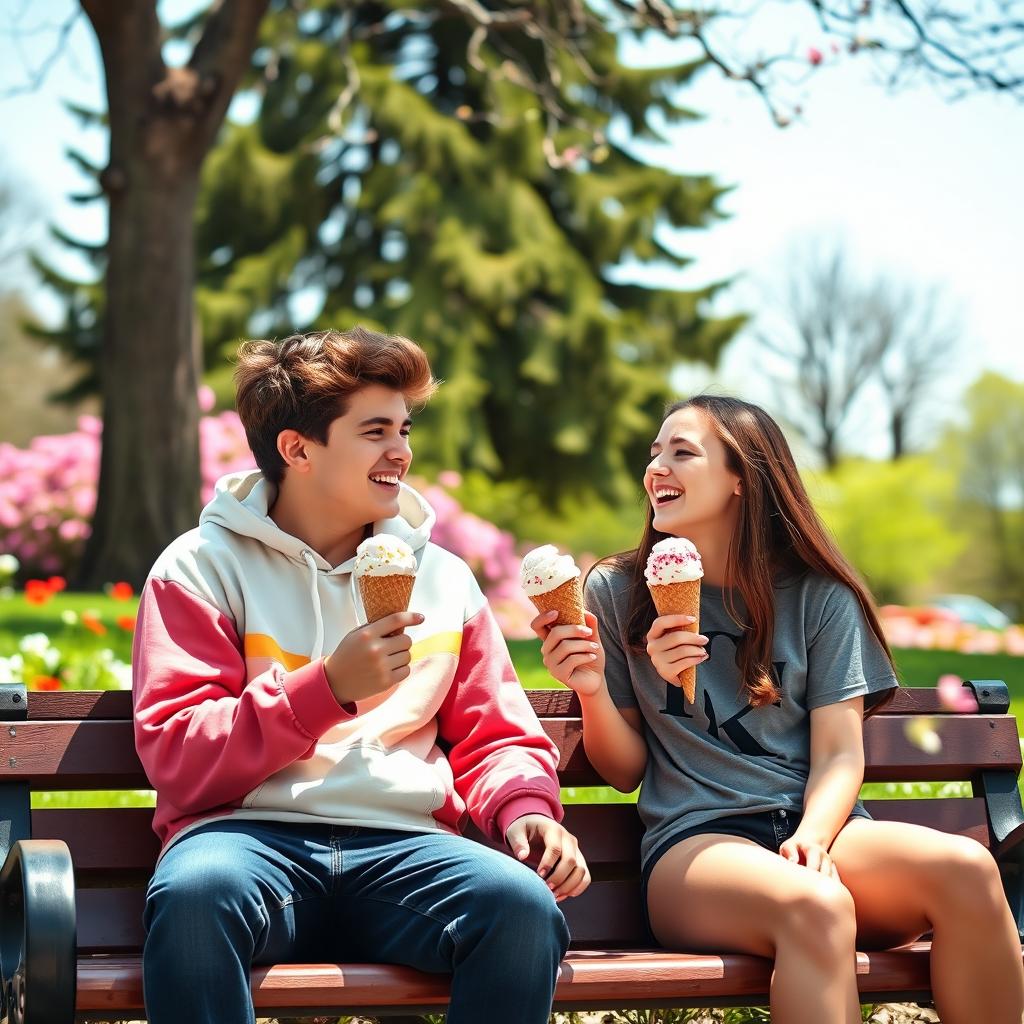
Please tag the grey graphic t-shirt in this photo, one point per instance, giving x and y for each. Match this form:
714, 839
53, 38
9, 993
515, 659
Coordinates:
720, 755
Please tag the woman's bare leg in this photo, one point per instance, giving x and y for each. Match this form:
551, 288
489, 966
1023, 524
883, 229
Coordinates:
726, 894
905, 880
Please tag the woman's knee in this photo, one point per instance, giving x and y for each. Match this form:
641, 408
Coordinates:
963, 880
820, 916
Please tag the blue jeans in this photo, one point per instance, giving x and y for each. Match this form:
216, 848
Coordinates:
234, 893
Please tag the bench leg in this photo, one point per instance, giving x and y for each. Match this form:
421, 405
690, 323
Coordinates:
1012, 870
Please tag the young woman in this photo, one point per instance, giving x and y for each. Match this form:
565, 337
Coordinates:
755, 839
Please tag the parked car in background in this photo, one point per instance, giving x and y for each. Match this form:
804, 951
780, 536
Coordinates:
971, 610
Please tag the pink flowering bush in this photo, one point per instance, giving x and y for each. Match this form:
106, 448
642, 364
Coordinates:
48, 490
47, 497
490, 552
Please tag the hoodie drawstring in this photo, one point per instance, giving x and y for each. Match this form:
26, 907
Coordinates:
318, 614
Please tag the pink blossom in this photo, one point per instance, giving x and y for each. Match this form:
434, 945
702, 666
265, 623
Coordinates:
815, 56
953, 695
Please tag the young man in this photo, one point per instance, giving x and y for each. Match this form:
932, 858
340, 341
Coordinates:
312, 773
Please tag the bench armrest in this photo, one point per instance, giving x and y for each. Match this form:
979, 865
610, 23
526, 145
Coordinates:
37, 933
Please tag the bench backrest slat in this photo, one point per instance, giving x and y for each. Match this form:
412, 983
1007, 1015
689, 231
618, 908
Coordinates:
119, 841
554, 703
100, 753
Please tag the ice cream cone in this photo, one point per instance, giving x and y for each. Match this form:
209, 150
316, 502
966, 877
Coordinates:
566, 599
384, 595
681, 599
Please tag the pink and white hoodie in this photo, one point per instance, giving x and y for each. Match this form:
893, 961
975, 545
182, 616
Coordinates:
234, 717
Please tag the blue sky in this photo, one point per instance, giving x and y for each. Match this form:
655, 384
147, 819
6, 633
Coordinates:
919, 187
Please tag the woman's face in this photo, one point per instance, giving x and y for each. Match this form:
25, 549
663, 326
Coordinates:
688, 480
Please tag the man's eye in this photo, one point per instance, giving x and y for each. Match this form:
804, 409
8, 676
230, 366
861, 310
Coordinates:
405, 432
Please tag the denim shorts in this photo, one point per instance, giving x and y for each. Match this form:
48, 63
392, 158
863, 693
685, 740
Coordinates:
769, 829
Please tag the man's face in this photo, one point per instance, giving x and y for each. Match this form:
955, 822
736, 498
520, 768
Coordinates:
367, 452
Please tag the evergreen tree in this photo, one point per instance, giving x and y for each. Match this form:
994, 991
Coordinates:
441, 203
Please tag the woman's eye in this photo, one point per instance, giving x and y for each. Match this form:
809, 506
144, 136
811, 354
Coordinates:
682, 451
405, 433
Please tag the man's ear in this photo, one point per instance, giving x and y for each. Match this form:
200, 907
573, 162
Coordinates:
291, 446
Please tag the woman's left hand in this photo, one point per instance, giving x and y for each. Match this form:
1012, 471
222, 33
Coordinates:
811, 854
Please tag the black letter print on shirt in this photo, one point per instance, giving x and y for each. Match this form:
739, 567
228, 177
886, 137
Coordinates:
675, 705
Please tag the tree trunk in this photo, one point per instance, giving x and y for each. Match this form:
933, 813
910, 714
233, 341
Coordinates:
897, 430
162, 123
149, 469
829, 449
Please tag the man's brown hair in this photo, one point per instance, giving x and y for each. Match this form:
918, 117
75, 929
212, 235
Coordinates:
304, 383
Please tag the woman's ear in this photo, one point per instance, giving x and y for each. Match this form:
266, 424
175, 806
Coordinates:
738, 489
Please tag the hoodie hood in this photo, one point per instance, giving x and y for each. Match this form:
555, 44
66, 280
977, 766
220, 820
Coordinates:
241, 504
242, 501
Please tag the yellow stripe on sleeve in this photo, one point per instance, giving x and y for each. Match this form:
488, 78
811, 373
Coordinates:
260, 645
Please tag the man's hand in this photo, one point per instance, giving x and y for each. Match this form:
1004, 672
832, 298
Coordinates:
562, 865
371, 659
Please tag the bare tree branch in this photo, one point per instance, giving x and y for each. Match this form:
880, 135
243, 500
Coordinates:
39, 74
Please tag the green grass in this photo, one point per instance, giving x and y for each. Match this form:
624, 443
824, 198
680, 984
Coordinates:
18, 617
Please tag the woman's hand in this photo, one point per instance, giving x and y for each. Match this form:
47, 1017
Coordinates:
572, 654
810, 853
672, 648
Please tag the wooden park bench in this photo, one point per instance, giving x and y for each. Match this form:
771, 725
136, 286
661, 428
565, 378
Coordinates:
73, 881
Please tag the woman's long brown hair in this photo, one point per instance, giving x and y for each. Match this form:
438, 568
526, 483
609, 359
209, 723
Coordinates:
777, 532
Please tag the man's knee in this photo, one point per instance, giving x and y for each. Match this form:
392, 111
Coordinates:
199, 892
516, 899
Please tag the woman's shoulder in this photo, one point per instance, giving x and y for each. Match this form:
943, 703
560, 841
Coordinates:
608, 581
819, 597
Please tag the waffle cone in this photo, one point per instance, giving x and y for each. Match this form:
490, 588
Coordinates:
681, 599
384, 595
566, 599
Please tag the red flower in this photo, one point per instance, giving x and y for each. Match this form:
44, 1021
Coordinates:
815, 56
122, 591
57, 584
126, 622
93, 624
46, 683
37, 592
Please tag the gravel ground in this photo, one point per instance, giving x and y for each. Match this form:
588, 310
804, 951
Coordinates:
886, 1013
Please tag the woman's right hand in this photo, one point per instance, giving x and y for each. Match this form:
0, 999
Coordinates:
572, 654
672, 648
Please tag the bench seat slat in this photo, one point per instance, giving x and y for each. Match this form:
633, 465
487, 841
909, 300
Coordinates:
101, 754
588, 978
